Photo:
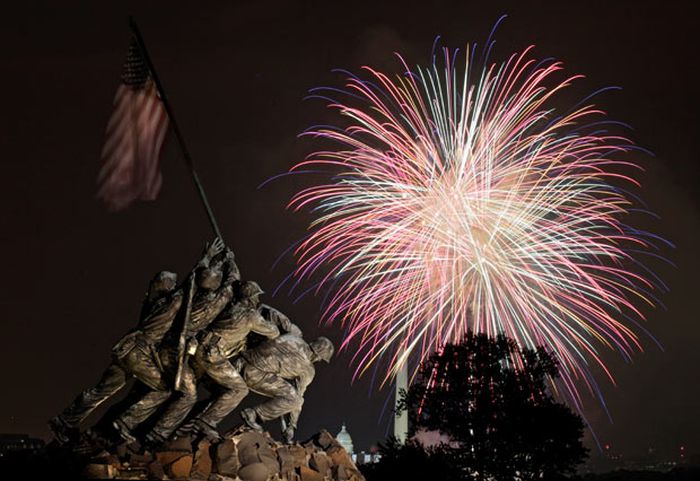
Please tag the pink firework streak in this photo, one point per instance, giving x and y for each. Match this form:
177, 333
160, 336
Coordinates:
459, 197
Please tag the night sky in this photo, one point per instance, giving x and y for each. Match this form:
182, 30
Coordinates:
236, 74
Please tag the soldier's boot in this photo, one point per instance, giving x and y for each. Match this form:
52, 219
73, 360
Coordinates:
205, 429
153, 440
97, 437
123, 431
185, 430
62, 431
250, 417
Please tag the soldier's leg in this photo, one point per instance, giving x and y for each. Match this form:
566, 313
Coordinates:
113, 379
143, 408
284, 396
179, 408
234, 390
143, 367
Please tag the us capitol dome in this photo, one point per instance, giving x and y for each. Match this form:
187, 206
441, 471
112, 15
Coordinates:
345, 440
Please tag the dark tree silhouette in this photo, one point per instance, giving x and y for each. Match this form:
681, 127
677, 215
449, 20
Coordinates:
412, 462
490, 399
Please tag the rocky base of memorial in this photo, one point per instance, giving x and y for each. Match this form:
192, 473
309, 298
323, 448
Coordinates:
241, 456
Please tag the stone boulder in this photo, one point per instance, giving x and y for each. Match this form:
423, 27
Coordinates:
243, 455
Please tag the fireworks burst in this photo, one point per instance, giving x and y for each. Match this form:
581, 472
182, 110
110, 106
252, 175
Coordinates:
460, 198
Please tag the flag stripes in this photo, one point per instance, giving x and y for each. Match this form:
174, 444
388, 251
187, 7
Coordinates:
135, 133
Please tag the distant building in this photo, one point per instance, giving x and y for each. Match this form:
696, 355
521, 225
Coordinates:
362, 457
345, 440
19, 443
366, 458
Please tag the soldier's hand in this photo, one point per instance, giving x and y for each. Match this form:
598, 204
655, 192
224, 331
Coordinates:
191, 347
216, 246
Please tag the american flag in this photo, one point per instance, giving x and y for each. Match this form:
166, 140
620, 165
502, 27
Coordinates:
135, 133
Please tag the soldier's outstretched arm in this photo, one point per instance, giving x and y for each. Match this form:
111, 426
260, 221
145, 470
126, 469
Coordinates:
264, 327
283, 323
230, 268
224, 294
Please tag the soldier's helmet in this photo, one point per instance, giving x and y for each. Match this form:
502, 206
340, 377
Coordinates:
323, 348
209, 277
249, 289
164, 281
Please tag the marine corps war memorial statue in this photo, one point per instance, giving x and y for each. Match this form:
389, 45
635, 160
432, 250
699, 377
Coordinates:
204, 341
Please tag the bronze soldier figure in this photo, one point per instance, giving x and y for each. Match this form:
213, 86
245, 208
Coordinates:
133, 356
141, 410
282, 369
211, 297
224, 339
